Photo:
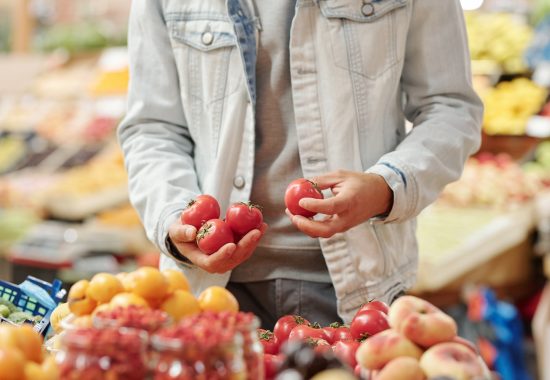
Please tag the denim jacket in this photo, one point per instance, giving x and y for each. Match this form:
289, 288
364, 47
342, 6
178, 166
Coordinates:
359, 69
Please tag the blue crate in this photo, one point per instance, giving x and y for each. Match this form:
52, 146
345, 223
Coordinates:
25, 302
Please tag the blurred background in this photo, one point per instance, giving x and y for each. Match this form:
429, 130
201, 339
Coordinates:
64, 211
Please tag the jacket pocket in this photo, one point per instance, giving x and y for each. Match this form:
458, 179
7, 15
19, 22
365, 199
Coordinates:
204, 47
397, 243
365, 34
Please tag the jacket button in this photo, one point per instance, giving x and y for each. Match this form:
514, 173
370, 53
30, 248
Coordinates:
207, 38
367, 9
239, 182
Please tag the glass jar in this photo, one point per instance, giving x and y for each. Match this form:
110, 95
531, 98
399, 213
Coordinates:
175, 359
253, 351
137, 317
103, 354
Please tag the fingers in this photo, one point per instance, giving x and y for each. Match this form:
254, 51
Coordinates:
328, 206
182, 233
320, 228
328, 180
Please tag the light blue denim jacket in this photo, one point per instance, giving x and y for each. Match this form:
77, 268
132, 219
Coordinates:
359, 68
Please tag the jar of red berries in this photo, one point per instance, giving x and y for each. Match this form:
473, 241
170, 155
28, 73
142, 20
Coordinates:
247, 325
198, 349
103, 354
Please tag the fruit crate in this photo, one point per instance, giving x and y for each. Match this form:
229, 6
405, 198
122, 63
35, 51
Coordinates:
27, 303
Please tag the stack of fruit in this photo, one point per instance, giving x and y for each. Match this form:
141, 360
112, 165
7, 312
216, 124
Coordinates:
509, 106
21, 355
498, 37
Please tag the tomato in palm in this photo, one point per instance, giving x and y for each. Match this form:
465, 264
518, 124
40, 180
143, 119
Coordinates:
304, 332
243, 217
368, 323
268, 341
374, 305
199, 210
272, 363
298, 189
345, 351
213, 235
285, 324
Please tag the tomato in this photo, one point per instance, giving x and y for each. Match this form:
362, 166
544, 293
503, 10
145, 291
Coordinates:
368, 323
345, 351
374, 305
272, 363
335, 332
213, 235
199, 210
285, 324
268, 341
303, 332
320, 346
298, 189
243, 217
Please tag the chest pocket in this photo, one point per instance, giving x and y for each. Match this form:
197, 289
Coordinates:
204, 47
367, 36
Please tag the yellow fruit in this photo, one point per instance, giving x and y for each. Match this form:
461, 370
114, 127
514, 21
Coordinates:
103, 287
180, 304
29, 343
126, 281
60, 312
104, 306
149, 283
12, 364
79, 303
82, 321
127, 299
217, 298
176, 280
8, 339
50, 368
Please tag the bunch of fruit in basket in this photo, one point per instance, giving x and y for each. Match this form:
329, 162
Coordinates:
22, 357
412, 340
12, 314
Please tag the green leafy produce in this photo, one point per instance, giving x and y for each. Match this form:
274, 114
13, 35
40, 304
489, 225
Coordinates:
21, 316
11, 307
4, 311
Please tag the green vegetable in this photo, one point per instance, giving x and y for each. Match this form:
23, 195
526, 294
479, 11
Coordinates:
4, 311
9, 305
22, 316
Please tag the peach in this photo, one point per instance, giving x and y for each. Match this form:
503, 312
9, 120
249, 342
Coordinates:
403, 368
467, 343
421, 322
383, 347
451, 359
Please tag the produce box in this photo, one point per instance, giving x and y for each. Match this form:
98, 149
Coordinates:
21, 306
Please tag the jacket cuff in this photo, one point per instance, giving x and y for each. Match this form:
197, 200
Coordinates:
165, 245
400, 183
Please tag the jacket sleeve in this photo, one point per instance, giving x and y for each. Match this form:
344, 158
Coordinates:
157, 146
440, 103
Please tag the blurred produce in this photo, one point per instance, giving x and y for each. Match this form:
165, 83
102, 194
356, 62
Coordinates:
489, 180
510, 104
498, 37
12, 150
123, 216
540, 167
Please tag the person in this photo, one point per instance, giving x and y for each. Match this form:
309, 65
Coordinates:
237, 98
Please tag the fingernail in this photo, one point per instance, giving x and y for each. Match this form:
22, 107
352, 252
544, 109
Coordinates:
188, 233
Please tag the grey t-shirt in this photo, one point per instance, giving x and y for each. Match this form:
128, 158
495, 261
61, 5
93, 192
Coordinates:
284, 251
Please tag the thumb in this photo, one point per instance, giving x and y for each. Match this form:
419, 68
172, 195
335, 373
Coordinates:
182, 233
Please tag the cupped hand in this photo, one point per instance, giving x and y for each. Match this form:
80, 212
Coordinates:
357, 198
225, 259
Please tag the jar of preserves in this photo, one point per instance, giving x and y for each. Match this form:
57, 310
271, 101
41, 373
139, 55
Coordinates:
103, 354
247, 325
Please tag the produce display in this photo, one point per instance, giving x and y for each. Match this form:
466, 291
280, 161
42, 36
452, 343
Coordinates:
11, 313
509, 106
499, 37
491, 181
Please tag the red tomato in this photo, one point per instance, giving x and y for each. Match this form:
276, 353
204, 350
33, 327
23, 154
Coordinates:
342, 333
243, 217
374, 305
213, 235
272, 363
268, 341
320, 346
199, 210
368, 323
303, 332
298, 189
345, 351
285, 324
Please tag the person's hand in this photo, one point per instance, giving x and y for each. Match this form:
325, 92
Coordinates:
225, 259
357, 198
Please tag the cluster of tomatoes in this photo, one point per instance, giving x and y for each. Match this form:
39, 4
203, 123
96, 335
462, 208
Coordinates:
203, 213
342, 340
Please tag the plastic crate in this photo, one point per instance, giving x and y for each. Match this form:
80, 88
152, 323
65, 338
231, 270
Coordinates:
27, 303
